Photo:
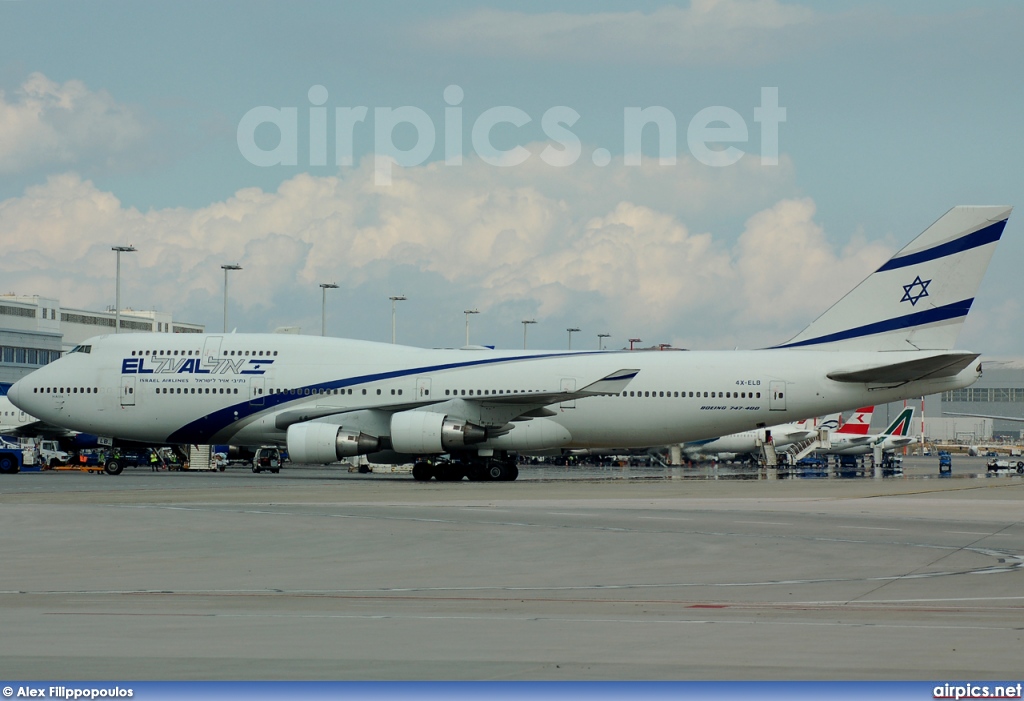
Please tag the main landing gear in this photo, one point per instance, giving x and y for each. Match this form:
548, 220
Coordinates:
499, 468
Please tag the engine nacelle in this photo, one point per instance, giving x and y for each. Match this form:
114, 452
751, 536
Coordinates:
427, 432
535, 434
322, 443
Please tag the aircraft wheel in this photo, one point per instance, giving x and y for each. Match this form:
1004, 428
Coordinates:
114, 467
422, 472
513, 473
496, 471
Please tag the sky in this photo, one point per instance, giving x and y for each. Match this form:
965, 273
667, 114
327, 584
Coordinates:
707, 174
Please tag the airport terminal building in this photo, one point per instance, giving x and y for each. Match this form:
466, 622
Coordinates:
37, 330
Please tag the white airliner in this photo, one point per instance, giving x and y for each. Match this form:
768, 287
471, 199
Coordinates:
467, 412
858, 443
12, 419
750, 442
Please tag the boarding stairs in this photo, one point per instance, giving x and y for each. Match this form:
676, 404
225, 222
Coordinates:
822, 441
199, 458
766, 455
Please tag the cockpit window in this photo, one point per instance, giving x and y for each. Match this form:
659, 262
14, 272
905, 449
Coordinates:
82, 349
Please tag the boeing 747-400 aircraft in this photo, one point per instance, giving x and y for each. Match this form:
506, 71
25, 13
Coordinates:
465, 413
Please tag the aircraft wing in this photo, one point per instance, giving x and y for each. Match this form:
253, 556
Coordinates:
944, 365
36, 429
1018, 419
488, 410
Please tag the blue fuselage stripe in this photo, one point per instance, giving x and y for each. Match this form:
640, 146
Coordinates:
990, 234
928, 316
206, 427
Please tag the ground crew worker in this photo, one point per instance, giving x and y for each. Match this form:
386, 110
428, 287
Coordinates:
154, 461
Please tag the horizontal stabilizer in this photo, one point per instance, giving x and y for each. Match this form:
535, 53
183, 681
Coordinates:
1018, 419
945, 365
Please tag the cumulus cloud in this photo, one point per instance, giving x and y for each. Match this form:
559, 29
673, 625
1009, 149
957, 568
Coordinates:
567, 247
48, 123
708, 31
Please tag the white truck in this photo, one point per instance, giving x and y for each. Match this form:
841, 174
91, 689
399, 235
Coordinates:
51, 455
1001, 464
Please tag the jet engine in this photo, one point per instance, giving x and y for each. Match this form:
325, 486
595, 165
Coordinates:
311, 442
427, 432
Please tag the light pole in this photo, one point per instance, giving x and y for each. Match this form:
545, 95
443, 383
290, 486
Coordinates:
526, 322
600, 340
117, 293
395, 298
323, 306
571, 332
233, 266
467, 313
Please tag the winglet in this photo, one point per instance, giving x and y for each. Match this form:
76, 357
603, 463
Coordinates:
610, 384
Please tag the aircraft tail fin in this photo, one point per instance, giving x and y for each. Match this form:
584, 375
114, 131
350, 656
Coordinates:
859, 424
832, 422
901, 426
919, 299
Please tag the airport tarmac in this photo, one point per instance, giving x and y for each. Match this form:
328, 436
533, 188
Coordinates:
568, 573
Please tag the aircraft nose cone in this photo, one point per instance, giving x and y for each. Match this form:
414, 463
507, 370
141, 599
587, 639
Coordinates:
13, 392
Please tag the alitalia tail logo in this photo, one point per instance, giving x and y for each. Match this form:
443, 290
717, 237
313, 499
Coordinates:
196, 366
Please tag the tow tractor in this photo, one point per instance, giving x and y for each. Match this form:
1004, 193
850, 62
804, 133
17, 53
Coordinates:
12, 457
93, 462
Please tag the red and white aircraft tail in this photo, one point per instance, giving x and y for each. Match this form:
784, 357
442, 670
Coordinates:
859, 424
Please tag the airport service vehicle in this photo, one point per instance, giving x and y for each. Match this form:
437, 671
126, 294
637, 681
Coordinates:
50, 454
945, 462
268, 459
468, 412
12, 457
1001, 464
